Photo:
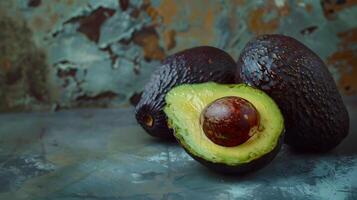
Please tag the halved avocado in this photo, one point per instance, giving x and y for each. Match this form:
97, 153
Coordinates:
184, 107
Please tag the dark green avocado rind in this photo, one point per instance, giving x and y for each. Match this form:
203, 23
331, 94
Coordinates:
195, 65
243, 168
316, 118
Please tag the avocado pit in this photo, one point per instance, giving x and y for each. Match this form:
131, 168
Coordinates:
230, 121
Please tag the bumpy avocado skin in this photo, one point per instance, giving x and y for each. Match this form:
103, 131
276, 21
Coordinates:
241, 169
195, 65
316, 118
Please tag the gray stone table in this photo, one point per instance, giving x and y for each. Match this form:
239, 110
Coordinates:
104, 154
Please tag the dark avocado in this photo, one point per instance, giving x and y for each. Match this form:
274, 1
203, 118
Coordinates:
195, 65
244, 126
298, 80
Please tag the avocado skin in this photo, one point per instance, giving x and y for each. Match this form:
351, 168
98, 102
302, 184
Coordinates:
245, 168
316, 118
195, 65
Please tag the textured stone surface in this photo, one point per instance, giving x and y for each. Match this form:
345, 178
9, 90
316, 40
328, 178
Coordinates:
104, 154
89, 53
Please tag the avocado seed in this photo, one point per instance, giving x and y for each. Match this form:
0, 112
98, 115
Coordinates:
230, 121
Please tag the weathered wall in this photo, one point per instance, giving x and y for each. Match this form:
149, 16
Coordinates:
78, 53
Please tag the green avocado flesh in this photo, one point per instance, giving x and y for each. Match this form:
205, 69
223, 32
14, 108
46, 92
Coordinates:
185, 103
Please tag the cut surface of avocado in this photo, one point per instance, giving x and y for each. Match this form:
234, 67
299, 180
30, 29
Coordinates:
185, 103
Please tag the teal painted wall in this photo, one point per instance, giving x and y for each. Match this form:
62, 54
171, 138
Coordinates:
86, 53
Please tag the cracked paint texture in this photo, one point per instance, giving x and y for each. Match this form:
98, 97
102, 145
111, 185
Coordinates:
87, 53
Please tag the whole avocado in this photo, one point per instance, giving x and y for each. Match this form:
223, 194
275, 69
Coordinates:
298, 80
195, 65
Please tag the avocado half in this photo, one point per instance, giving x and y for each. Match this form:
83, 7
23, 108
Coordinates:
194, 65
184, 105
316, 118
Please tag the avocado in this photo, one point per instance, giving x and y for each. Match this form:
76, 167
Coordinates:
230, 128
195, 65
300, 83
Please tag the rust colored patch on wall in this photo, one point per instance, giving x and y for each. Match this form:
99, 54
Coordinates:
152, 12
348, 37
258, 26
146, 7
168, 10
124, 4
206, 19
309, 8
34, 3
149, 40
345, 60
170, 40
200, 21
90, 25
257, 22
147, 37
332, 7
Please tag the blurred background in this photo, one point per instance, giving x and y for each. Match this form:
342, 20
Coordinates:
60, 54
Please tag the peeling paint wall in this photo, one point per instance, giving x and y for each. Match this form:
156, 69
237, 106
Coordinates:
87, 53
